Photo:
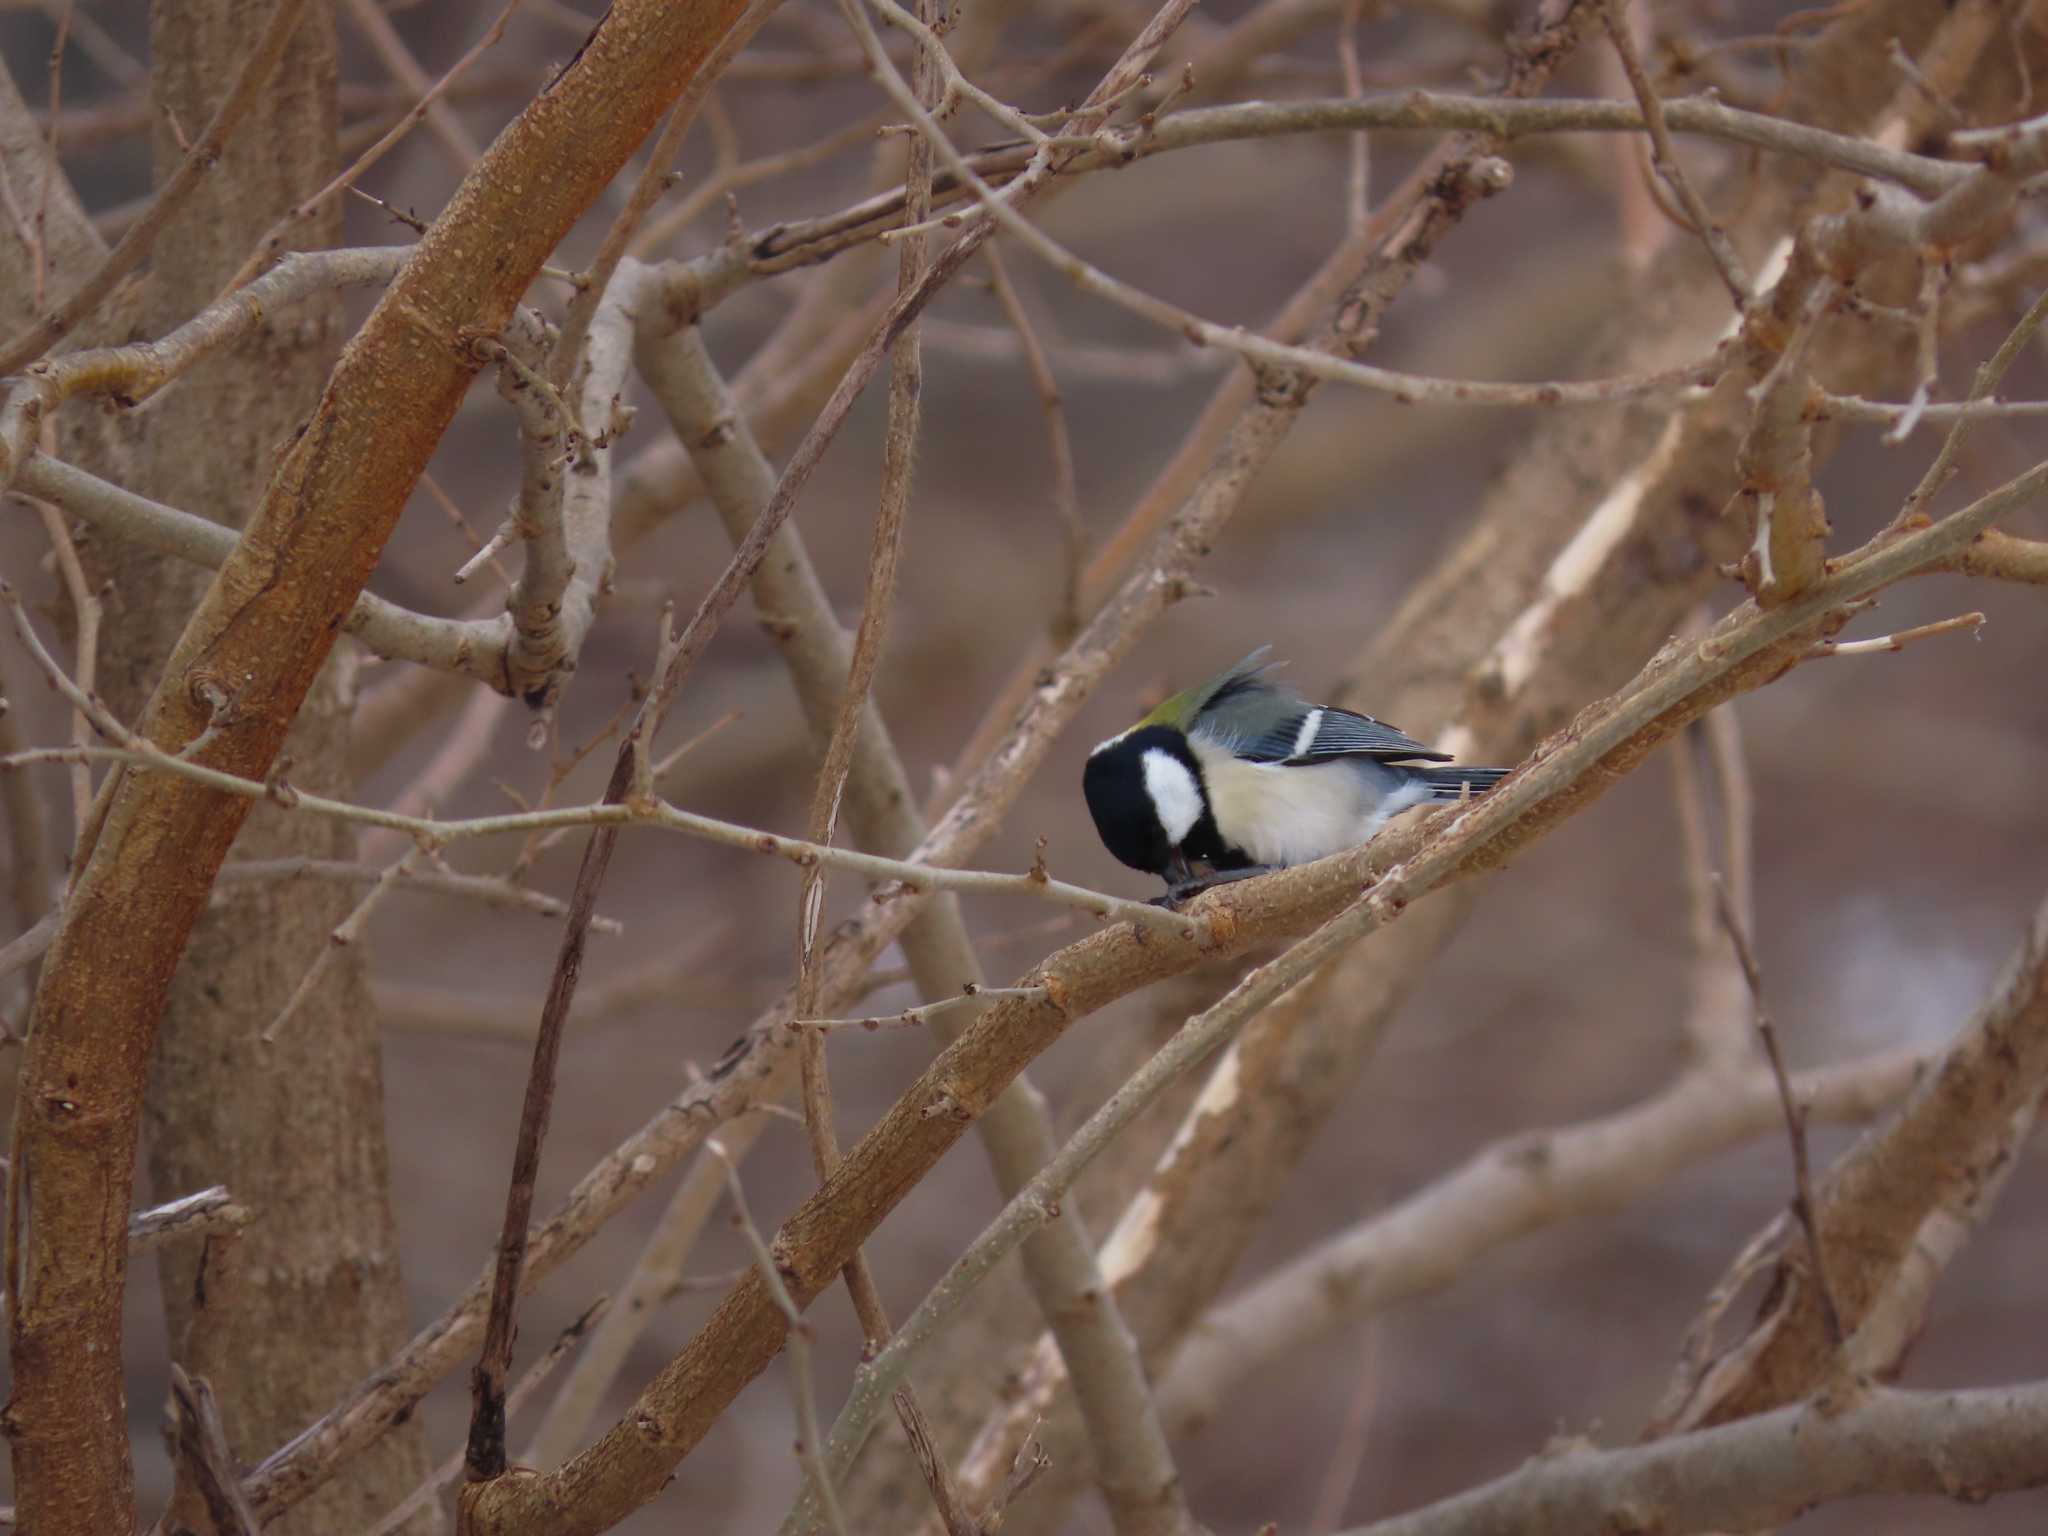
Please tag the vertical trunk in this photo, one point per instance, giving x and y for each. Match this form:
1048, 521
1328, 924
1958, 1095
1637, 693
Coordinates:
295, 1128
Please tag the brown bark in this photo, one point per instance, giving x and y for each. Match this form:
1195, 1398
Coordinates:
294, 1128
258, 640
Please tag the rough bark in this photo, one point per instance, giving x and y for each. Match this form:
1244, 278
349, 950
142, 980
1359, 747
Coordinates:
294, 1128
254, 647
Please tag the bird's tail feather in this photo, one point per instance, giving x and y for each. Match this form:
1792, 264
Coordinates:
1450, 783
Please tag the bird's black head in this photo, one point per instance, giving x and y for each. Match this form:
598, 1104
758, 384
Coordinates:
1145, 792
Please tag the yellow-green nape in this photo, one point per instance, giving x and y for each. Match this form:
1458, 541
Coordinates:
1180, 710
1177, 711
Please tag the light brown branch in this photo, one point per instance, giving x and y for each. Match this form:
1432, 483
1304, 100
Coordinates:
1766, 1469
261, 633
1664, 158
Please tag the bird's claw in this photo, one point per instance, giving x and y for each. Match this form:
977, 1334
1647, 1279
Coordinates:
1178, 891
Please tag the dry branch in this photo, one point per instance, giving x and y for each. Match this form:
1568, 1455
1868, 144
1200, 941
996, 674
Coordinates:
1962, 1124
1766, 1469
202, 157
1518, 1185
631, 1462
257, 641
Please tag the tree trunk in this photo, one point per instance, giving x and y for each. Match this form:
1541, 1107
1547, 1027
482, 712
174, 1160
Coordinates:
295, 1129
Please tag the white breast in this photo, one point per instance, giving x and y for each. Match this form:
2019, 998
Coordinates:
1292, 815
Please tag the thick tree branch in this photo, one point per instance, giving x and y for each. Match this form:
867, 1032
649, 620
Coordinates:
254, 649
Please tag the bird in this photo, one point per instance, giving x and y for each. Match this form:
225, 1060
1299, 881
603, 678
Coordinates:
1242, 775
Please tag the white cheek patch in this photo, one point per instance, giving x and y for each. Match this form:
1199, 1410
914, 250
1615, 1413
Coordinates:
1175, 794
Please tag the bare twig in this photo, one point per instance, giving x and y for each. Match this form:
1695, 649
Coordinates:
536, 1377
484, 1456
280, 235
1066, 498
656, 1276
1983, 387
196, 1215
1764, 1470
465, 647
1357, 202
398, 62
85, 611
1522, 1183
911, 1017
1795, 1117
199, 1451
1898, 641
810, 1440
347, 932
1664, 158
204, 154
914, 878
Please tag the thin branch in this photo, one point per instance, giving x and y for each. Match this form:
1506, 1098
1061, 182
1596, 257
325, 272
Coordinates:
345, 934
1066, 498
1664, 158
398, 62
1526, 1182
653, 180
200, 1454
913, 878
472, 648
487, 889
809, 1439
425, 1496
131, 374
1795, 1117
273, 244
1314, 362
203, 1214
913, 1017
1983, 387
1765, 1470
1898, 641
203, 156
85, 611
657, 1275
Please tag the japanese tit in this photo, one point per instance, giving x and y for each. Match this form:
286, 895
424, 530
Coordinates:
1241, 775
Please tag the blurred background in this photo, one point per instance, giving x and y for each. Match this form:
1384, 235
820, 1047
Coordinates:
1901, 824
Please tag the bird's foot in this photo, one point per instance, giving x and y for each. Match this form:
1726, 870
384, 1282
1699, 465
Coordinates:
1178, 891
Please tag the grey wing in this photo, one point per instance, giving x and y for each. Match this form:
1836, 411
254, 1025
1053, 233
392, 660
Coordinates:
1316, 733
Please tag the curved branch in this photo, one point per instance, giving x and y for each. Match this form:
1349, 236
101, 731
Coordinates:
465, 647
1763, 1471
237, 676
